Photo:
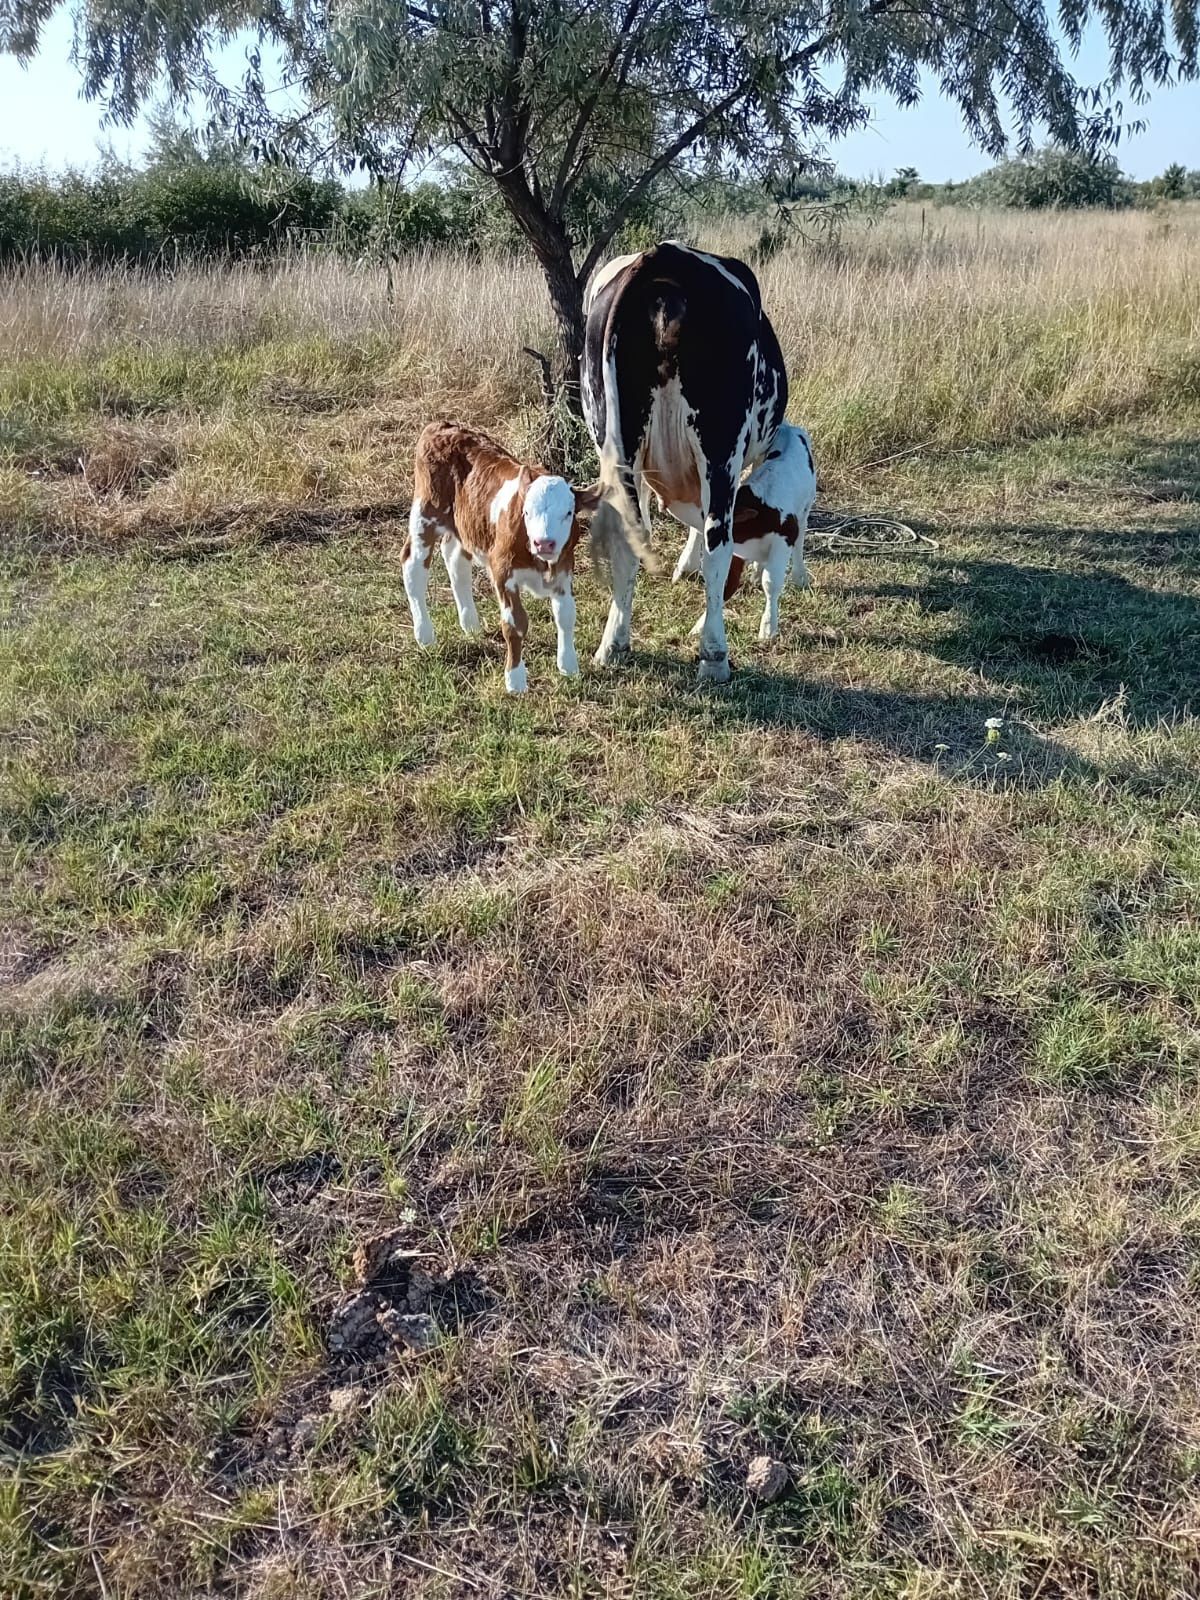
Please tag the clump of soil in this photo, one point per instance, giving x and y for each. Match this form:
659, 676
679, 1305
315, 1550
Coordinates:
402, 1302
766, 1479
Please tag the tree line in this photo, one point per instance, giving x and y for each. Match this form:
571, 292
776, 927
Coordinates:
186, 205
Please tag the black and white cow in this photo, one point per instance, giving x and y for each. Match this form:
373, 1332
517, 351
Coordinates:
683, 387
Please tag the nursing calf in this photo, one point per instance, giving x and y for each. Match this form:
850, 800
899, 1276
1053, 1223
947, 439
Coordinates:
770, 519
488, 509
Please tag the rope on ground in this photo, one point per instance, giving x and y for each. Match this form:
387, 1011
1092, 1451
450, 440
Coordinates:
891, 532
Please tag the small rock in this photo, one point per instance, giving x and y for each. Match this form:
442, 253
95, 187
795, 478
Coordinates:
766, 1479
344, 1402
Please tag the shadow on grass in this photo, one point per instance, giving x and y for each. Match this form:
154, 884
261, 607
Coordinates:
1067, 642
1167, 470
947, 731
1157, 550
1045, 645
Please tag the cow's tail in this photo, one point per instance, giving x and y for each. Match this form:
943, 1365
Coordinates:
619, 519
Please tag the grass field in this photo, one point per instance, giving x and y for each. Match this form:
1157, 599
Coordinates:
782, 1069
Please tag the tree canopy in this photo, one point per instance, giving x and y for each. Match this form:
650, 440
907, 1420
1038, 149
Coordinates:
573, 109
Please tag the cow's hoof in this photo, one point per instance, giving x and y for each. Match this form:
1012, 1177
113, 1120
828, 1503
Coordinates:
611, 655
714, 670
423, 634
516, 679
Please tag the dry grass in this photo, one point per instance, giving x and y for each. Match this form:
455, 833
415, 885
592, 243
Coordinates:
782, 1068
938, 330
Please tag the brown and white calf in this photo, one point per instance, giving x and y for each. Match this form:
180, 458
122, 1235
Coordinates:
488, 509
770, 519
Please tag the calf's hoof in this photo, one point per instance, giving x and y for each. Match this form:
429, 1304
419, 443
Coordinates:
569, 667
610, 655
713, 669
423, 634
516, 679
469, 625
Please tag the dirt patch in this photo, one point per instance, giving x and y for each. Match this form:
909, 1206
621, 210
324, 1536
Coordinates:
296, 397
299, 1180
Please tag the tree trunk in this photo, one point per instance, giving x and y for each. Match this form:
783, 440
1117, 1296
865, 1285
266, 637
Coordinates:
552, 246
566, 299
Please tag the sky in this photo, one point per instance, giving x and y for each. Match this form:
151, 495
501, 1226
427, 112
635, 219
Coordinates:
44, 120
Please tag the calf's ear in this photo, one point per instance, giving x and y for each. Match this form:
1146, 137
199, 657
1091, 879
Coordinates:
525, 481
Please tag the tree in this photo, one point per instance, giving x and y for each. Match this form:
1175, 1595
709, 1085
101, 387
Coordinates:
1173, 185
574, 109
905, 179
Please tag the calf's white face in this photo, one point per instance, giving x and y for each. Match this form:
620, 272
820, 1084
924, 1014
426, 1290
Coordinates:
549, 513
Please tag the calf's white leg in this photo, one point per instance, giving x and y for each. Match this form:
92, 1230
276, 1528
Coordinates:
690, 556
416, 572
800, 573
774, 575
458, 570
514, 623
563, 607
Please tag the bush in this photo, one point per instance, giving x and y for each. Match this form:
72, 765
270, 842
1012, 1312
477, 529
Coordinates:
69, 215
223, 209
1176, 183
1051, 179
386, 220
192, 209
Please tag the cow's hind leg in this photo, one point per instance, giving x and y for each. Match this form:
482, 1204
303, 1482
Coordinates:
422, 531
458, 570
716, 562
714, 646
737, 567
615, 641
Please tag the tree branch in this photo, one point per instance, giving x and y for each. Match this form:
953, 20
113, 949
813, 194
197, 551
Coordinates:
693, 132
620, 45
469, 140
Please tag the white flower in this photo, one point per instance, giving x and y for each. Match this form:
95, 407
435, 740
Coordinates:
995, 723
